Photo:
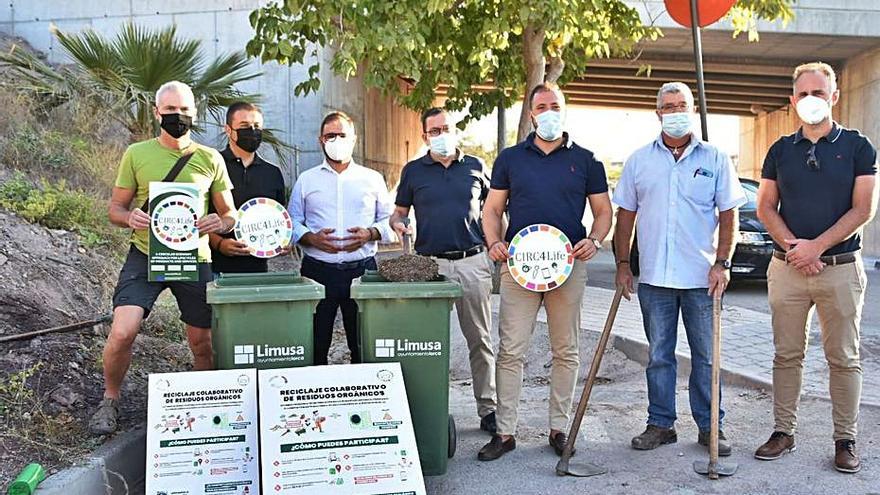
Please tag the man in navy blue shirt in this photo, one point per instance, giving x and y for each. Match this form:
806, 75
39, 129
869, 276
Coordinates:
545, 179
447, 189
818, 188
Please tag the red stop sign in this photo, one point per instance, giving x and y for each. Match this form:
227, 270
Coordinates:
709, 10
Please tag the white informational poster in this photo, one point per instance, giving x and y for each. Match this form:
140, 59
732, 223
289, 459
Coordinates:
202, 433
338, 430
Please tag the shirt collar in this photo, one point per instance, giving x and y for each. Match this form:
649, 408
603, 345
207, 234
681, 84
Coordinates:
567, 142
429, 160
230, 157
694, 142
326, 166
831, 137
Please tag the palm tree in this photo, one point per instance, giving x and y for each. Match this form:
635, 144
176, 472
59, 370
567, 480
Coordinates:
120, 76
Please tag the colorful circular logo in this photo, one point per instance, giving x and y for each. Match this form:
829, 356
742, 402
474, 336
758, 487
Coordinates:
540, 258
174, 223
264, 225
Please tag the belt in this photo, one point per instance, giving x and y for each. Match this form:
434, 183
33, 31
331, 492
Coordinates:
458, 255
348, 265
831, 260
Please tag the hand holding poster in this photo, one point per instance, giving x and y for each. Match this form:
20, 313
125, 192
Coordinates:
174, 239
338, 430
202, 433
265, 226
540, 258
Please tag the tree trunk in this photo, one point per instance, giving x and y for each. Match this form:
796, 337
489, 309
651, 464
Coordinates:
557, 65
533, 57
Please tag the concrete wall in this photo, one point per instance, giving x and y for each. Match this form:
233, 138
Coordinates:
223, 27
859, 83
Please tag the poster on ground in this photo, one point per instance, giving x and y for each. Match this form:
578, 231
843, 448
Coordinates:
337, 430
202, 433
174, 239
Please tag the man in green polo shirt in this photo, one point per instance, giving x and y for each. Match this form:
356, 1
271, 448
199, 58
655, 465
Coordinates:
145, 162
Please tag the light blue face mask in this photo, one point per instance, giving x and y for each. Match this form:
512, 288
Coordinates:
549, 125
677, 125
444, 144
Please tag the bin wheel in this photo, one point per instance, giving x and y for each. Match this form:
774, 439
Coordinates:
453, 437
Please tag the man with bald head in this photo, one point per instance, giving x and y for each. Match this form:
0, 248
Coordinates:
151, 161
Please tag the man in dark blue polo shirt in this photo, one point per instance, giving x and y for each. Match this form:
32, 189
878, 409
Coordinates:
447, 189
252, 177
818, 188
545, 179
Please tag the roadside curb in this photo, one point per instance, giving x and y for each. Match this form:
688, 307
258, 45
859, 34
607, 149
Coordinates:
118, 466
638, 351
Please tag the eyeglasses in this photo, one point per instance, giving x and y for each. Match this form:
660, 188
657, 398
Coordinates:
671, 107
331, 136
436, 131
812, 161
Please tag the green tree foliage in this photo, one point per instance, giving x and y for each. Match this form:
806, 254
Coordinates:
460, 44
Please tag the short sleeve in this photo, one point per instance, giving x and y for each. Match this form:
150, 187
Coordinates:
279, 186
125, 177
221, 181
484, 180
865, 158
404, 189
500, 173
625, 195
768, 171
729, 192
597, 183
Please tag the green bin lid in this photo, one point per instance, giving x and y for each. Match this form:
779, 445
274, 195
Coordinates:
234, 288
374, 286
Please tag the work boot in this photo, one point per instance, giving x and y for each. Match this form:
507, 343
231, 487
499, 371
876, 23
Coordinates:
846, 460
558, 441
653, 437
488, 423
724, 447
778, 445
105, 419
496, 448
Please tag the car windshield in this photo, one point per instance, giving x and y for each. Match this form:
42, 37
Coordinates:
751, 190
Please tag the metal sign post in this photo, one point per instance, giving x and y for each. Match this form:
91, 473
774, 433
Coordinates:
698, 58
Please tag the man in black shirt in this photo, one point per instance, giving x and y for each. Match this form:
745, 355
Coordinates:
252, 177
818, 188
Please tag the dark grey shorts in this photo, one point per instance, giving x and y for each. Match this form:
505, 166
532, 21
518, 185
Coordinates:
133, 289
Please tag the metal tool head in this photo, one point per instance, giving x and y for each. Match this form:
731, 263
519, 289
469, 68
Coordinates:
716, 470
578, 469
407, 238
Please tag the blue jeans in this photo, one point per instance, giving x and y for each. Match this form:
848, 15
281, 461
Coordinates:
660, 309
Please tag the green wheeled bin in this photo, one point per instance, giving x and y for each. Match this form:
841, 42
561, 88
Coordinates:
408, 322
263, 320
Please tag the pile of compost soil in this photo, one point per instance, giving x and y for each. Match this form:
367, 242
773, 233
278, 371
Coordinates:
409, 268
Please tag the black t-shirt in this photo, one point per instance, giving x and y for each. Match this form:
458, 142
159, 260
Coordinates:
260, 179
549, 189
812, 199
447, 202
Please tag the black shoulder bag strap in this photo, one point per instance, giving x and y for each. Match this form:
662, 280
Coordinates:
172, 174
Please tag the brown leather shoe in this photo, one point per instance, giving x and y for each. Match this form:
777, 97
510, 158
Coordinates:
496, 448
778, 445
846, 460
557, 441
653, 437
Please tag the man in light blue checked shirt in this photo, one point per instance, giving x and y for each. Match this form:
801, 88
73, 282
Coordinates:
678, 190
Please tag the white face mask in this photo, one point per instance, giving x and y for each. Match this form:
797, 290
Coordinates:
677, 125
549, 126
813, 110
340, 149
444, 144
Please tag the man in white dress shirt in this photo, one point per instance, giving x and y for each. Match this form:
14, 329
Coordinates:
340, 212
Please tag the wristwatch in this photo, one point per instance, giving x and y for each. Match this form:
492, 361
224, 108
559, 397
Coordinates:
596, 243
726, 264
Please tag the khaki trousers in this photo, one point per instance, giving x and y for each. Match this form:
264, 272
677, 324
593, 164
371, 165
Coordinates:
519, 308
838, 295
474, 274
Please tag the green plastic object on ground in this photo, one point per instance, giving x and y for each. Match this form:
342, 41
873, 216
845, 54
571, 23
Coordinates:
27, 480
263, 320
408, 322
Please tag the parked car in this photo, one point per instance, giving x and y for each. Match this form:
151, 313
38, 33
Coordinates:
754, 247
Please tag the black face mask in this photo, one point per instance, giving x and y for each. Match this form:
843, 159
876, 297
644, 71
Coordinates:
176, 124
249, 139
